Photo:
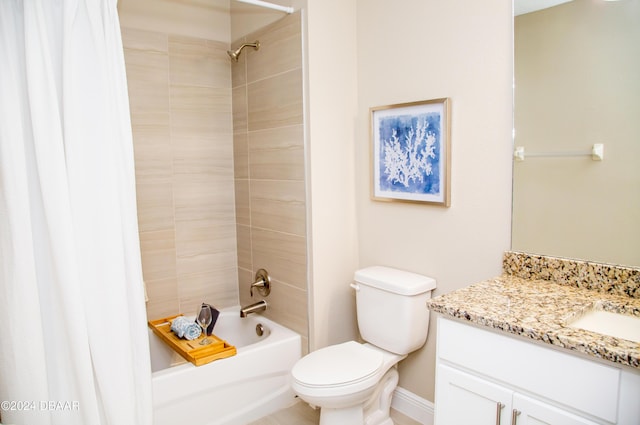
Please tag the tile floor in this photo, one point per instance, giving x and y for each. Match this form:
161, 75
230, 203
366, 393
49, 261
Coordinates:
301, 414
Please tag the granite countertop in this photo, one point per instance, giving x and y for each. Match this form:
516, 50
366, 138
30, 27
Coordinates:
539, 310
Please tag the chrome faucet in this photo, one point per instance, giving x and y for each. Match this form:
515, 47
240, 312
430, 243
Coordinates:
253, 308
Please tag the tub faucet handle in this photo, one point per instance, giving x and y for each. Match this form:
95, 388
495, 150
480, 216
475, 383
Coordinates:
262, 282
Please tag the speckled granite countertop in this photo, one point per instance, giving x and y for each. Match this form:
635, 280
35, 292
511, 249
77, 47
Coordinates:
539, 309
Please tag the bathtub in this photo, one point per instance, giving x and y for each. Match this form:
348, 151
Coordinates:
231, 391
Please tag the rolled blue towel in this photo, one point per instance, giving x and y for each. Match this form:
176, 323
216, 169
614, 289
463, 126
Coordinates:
185, 328
179, 325
192, 331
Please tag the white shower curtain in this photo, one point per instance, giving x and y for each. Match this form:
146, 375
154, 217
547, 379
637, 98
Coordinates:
73, 339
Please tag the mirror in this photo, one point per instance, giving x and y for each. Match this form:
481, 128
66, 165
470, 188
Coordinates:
577, 83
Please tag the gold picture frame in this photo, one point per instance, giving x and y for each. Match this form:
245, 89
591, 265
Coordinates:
411, 152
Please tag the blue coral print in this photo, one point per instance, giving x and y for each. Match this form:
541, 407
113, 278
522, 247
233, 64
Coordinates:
410, 153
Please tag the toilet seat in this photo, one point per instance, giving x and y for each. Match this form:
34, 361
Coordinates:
341, 365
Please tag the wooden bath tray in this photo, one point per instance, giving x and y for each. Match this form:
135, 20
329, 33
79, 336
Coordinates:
192, 350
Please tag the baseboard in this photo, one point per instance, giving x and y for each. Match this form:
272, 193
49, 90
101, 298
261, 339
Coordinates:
413, 406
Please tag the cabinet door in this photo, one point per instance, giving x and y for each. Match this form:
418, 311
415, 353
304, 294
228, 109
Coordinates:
462, 398
534, 412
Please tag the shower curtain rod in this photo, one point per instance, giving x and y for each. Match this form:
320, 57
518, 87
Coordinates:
269, 5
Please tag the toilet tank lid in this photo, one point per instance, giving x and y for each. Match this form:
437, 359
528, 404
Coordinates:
393, 280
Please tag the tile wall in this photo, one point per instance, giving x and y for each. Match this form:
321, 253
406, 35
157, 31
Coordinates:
180, 97
269, 170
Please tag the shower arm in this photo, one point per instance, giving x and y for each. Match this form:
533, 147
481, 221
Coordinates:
235, 54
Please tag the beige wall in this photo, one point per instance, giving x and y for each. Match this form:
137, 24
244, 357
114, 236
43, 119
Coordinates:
180, 97
332, 111
577, 83
416, 50
270, 170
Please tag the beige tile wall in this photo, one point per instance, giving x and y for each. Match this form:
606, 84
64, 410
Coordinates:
269, 170
180, 97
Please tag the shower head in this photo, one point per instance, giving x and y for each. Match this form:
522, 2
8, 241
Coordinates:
234, 54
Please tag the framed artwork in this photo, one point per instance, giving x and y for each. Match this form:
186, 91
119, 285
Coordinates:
411, 147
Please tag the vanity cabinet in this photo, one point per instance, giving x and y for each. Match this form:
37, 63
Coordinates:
484, 377
466, 399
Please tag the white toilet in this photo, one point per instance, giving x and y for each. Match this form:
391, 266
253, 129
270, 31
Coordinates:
352, 383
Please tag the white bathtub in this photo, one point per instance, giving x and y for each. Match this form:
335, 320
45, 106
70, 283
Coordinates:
232, 391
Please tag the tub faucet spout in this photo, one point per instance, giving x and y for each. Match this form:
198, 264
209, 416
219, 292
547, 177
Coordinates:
253, 308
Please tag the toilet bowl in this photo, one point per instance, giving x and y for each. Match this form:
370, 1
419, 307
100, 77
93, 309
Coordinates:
341, 375
353, 382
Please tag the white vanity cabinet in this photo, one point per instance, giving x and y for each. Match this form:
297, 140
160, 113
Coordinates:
466, 399
483, 377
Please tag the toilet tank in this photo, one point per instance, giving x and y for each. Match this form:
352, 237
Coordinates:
391, 308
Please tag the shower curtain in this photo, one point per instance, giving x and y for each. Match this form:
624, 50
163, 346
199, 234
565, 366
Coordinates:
73, 338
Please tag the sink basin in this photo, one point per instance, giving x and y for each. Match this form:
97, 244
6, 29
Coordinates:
607, 323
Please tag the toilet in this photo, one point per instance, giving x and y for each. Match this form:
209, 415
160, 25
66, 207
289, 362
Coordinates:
352, 383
